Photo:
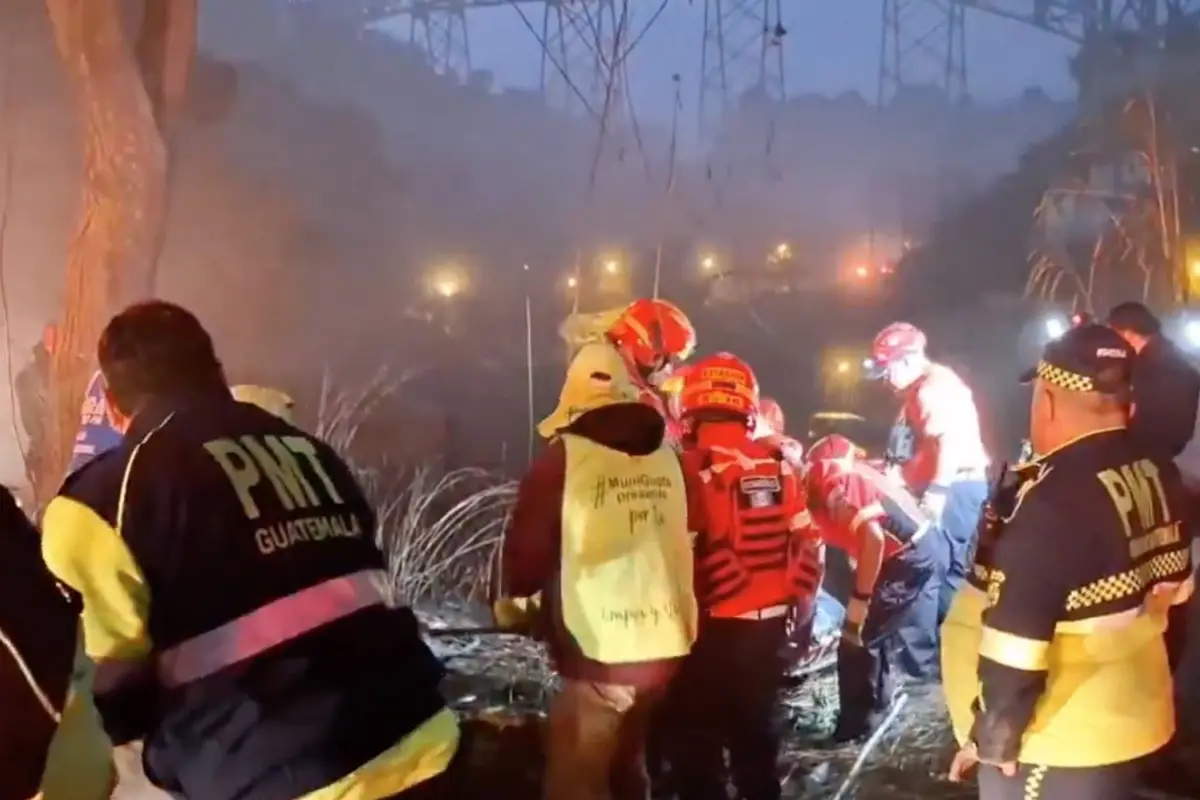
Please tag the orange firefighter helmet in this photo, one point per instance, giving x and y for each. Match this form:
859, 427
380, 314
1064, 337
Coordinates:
653, 334
721, 383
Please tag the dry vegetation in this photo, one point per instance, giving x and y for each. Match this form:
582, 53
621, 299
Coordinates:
441, 532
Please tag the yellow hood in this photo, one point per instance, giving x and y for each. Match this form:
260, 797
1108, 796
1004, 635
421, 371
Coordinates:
270, 400
597, 377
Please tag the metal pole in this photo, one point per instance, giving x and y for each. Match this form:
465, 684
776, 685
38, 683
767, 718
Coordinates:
529, 362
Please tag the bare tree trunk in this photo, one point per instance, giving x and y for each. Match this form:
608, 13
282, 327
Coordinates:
123, 211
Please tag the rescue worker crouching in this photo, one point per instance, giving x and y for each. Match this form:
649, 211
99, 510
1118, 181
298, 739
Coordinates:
936, 449
654, 337
754, 561
600, 532
231, 592
896, 559
1055, 668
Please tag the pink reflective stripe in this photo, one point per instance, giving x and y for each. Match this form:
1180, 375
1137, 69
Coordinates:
275, 623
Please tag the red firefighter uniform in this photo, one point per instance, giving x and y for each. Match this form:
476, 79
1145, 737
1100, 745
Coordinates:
756, 557
655, 337
937, 446
882, 530
939, 415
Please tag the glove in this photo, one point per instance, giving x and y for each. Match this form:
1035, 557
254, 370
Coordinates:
517, 614
856, 617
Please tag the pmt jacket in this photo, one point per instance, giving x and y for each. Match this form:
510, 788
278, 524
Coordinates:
231, 600
1053, 653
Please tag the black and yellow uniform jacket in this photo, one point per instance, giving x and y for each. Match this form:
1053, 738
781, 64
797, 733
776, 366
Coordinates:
231, 592
1053, 652
50, 743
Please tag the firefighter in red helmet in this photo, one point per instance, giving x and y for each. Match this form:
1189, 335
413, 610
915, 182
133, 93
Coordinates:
655, 337
769, 429
936, 449
883, 533
755, 559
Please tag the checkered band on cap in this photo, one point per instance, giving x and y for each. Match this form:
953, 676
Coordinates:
1064, 378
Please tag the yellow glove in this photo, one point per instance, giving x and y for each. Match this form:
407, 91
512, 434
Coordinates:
517, 613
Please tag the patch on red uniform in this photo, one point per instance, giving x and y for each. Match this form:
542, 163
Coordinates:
760, 491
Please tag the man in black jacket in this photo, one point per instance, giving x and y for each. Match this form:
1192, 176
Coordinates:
1166, 386
1166, 394
231, 592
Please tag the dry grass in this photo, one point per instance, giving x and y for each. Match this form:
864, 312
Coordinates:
440, 530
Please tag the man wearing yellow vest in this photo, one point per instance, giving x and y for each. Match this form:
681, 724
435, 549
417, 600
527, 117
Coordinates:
601, 531
1055, 669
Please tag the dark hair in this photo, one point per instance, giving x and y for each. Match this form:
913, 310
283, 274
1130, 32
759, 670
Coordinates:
1134, 317
156, 349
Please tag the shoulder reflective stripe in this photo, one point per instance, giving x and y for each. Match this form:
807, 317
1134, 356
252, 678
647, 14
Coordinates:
125, 478
890, 489
868, 514
801, 520
275, 623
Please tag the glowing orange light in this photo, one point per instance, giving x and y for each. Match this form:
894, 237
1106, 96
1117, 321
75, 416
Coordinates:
861, 271
572, 282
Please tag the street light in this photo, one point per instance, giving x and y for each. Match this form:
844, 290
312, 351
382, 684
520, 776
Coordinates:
842, 367
1054, 327
1191, 333
861, 272
612, 266
783, 250
447, 282
572, 282
708, 263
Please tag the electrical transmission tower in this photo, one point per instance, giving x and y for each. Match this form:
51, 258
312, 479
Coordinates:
923, 44
741, 53
585, 44
439, 27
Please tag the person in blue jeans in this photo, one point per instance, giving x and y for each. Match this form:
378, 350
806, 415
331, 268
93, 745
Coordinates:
936, 450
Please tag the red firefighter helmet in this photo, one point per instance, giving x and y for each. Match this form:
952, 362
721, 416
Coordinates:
721, 382
893, 343
835, 448
653, 334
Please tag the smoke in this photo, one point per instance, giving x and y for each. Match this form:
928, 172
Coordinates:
337, 177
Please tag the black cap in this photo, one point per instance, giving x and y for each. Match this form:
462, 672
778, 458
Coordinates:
1134, 316
1087, 358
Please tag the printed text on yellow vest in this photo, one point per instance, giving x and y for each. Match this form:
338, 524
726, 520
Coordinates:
627, 591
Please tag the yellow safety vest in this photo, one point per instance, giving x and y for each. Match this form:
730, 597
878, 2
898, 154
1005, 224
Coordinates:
626, 582
1108, 696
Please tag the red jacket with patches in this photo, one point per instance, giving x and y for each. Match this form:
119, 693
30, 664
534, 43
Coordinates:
756, 551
